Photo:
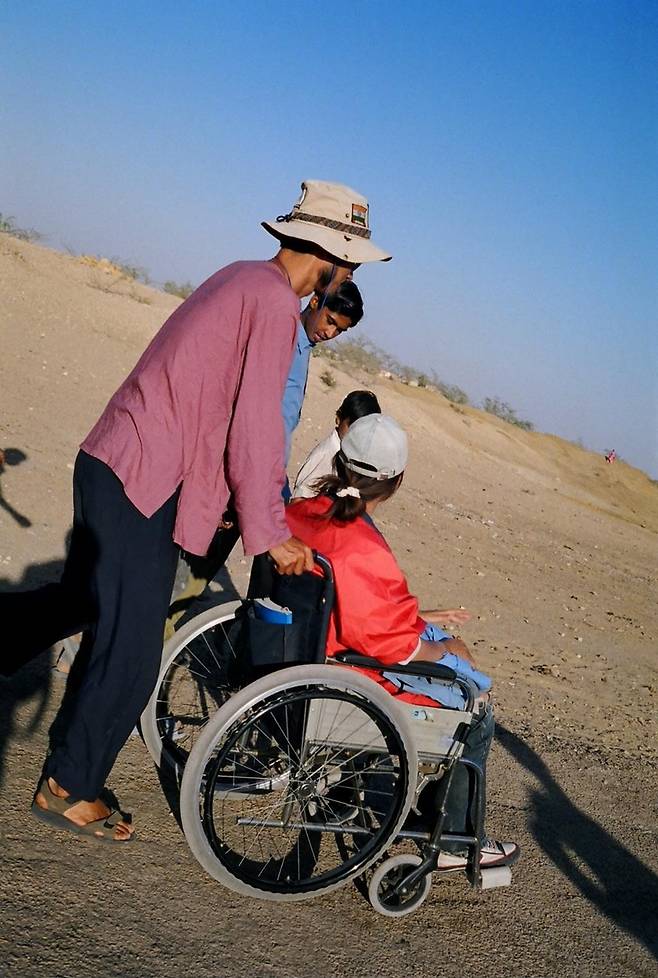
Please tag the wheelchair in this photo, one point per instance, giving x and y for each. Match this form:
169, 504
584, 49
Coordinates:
299, 774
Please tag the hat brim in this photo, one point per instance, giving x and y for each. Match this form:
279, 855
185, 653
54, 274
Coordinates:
345, 247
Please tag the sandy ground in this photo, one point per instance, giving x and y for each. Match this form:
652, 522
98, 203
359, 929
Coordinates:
554, 553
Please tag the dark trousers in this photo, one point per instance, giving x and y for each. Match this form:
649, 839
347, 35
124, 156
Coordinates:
460, 814
460, 808
115, 587
205, 569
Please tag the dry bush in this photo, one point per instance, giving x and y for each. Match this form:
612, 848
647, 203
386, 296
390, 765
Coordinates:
108, 275
102, 265
8, 226
181, 289
501, 409
451, 392
136, 273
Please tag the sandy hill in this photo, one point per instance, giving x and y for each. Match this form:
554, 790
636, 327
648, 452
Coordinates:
553, 552
551, 548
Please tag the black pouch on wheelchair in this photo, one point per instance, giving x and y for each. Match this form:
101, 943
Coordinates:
296, 643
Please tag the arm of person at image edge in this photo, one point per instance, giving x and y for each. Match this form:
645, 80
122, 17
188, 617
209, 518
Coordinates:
255, 449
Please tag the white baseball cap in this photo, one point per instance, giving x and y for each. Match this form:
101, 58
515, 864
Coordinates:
333, 216
375, 446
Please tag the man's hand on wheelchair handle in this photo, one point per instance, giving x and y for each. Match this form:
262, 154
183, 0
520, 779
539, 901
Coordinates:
292, 557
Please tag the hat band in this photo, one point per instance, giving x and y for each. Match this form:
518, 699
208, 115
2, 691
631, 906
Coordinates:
325, 222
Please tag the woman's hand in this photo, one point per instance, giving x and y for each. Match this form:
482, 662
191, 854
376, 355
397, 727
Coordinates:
432, 651
457, 647
448, 616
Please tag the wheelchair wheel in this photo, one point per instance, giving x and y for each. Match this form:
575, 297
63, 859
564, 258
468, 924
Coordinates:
288, 770
197, 675
384, 891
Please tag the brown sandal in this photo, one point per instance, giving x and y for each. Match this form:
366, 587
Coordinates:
54, 815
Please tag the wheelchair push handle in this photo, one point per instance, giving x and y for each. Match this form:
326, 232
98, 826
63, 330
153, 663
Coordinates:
324, 565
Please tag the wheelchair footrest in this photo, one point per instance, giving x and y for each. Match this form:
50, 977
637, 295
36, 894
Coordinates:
496, 876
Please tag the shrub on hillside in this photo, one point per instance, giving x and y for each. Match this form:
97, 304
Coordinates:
452, 392
8, 226
181, 289
502, 410
362, 354
129, 270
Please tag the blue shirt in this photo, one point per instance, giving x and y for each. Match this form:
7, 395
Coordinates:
445, 693
293, 396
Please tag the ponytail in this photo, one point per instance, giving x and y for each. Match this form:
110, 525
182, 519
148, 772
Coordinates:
350, 491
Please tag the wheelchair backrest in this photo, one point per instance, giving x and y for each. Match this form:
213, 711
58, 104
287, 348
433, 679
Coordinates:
309, 597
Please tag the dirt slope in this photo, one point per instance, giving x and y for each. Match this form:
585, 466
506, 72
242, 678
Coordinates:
552, 550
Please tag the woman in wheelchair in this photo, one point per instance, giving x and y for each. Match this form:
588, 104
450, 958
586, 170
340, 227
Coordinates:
374, 613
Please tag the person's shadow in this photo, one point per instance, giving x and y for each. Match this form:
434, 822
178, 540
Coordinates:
12, 456
32, 683
603, 869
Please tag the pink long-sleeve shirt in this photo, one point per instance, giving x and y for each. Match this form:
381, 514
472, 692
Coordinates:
202, 410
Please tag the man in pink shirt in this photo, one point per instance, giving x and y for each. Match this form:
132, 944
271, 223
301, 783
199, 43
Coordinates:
198, 419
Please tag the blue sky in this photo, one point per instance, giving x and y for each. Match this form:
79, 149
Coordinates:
509, 151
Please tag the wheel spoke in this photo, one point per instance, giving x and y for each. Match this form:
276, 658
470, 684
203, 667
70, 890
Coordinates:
282, 837
195, 683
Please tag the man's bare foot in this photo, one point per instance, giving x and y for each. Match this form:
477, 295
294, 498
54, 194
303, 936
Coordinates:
83, 812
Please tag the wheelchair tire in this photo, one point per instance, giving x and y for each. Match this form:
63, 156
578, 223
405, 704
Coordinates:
381, 890
192, 684
289, 766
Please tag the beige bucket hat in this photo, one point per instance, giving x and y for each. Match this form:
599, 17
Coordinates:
334, 217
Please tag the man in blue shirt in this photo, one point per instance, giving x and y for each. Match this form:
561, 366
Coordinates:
327, 315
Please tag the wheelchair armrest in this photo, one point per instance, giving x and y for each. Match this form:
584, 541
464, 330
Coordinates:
431, 670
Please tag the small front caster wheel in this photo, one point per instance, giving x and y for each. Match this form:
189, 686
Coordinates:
385, 893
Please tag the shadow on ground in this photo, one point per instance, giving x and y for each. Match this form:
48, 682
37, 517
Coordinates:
603, 869
12, 456
31, 683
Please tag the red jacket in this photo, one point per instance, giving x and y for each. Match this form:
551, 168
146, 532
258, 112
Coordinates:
374, 613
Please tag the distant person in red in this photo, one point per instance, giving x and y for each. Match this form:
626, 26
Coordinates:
198, 419
611, 456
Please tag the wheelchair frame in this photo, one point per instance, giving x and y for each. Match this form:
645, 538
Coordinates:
431, 728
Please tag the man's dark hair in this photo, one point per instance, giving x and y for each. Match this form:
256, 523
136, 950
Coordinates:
345, 301
358, 404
